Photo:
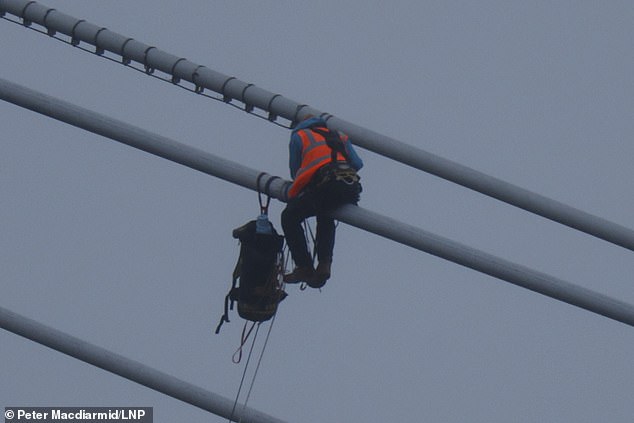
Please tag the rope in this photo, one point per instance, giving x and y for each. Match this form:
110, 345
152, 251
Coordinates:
313, 238
286, 258
246, 366
257, 367
283, 263
312, 241
243, 341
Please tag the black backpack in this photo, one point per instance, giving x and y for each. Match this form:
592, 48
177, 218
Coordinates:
257, 277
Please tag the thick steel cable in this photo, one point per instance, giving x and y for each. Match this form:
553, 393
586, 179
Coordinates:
353, 215
231, 88
195, 90
127, 368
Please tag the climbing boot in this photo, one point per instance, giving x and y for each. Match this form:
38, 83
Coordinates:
321, 275
300, 274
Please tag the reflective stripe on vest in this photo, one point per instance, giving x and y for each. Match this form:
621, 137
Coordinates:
315, 154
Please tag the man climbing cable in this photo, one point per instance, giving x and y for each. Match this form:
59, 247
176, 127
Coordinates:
324, 167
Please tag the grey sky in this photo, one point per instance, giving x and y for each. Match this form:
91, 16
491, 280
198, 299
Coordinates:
134, 253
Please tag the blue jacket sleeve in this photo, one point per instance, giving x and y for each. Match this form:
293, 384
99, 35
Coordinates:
294, 154
355, 160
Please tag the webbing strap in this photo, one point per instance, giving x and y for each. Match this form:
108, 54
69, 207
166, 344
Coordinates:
264, 205
225, 317
334, 141
231, 296
237, 356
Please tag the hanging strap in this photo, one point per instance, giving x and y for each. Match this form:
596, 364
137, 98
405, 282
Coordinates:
246, 366
225, 317
264, 204
334, 141
233, 294
313, 238
243, 340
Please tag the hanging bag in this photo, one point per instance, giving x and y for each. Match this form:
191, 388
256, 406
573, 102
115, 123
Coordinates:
257, 285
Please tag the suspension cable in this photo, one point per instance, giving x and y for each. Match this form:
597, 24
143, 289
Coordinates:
124, 367
150, 72
278, 106
353, 215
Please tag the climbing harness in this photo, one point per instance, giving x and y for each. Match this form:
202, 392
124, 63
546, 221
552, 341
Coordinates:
333, 139
336, 182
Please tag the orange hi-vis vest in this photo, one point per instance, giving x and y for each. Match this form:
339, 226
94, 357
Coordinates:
315, 154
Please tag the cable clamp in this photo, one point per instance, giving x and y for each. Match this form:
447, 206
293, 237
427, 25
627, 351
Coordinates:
26, 22
98, 50
225, 97
297, 110
272, 116
148, 69
125, 60
175, 79
74, 41
325, 116
264, 205
247, 107
198, 89
51, 32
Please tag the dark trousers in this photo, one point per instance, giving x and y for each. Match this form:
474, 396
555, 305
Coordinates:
298, 209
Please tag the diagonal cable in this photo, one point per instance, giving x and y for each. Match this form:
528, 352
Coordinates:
127, 368
356, 216
231, 88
